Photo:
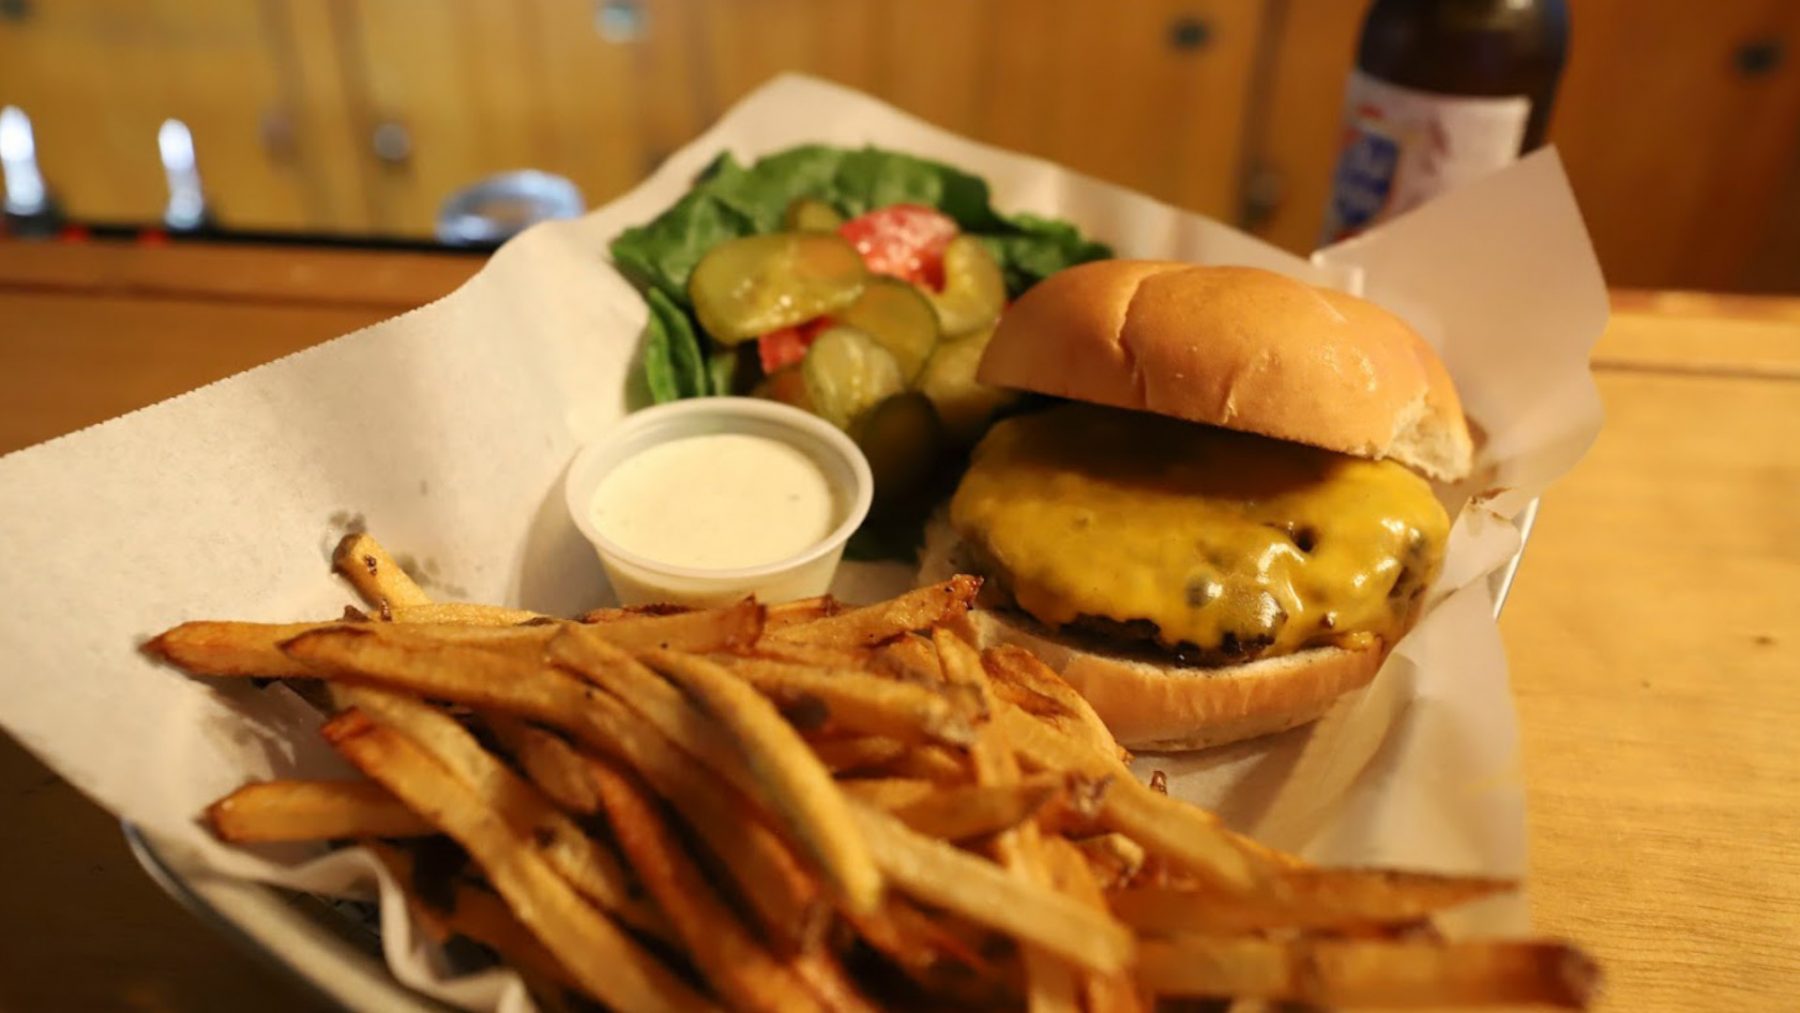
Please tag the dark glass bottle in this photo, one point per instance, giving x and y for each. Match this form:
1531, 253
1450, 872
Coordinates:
1444, 91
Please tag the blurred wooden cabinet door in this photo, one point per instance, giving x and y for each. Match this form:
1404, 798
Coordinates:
1679, 123
442, 93
1151, 94
98, 77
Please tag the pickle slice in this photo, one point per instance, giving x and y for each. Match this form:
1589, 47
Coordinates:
757, 284
903, 439
965, 406
847, 373
897, 316
808, 215
974, 289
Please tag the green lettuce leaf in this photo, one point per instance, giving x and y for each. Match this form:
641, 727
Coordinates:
730, 200
674, 364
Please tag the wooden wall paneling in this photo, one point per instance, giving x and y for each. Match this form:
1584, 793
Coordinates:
1215, 81
217, 58
53, 65
1107, 89
1021, 77
930, 57
591, 98
742, 44
1296, 122
1775, 264
98, 79
1676, 152
672, 105
464, 80
849, 41
317, 127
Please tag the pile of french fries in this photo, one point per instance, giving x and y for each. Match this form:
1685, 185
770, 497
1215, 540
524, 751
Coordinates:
809, 807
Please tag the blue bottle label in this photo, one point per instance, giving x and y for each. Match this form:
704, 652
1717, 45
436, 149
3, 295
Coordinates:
1401, 147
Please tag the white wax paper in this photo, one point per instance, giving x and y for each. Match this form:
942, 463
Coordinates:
446, 431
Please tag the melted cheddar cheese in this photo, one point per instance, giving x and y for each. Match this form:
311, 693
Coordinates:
1232, 545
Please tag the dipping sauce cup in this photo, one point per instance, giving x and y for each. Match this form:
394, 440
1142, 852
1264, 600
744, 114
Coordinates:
702, 502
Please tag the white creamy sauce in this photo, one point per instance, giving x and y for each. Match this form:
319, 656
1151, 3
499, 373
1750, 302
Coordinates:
720, 501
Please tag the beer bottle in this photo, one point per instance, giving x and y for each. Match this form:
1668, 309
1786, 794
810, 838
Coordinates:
1444, 91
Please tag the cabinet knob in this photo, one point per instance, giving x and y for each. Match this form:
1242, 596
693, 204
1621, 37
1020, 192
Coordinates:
392, 142
1189, 33
279, 134
1759, 57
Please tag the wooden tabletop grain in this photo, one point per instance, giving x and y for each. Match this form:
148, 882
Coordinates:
1652, 630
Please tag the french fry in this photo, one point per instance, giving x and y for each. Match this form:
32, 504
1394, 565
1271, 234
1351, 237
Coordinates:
859, 702
965, 812
603, 960
265, 811
257, 649
1369, 972
1020, 677
817, 655
1185, 834
589, 654
206, 647
1068, 869
725, 629
830, 982
797, 786
875, 624
924, 948
784, 897
858, 754
888, 793
613, 614
453, 671
880, 755
477, 914
740, 969
774, 616
1051, 986
984, 893
801, 610
467, 613
588, 865
1303, 899
376, 576
558, 770
1081, 890
1113, 858
967, 682
909, 659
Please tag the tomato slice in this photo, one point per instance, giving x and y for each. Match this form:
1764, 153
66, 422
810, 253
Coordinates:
788, 345
904, 241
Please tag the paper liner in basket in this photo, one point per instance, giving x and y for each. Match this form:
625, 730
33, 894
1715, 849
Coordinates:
447, 431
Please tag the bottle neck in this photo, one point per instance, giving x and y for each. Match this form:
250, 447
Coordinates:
1470, 48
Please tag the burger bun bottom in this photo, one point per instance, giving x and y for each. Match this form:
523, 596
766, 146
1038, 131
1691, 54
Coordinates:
1157, 704
1163, 707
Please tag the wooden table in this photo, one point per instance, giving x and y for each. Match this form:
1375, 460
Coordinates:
1653, 631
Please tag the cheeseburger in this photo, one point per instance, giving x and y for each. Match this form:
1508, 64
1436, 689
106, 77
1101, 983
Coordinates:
1221, 526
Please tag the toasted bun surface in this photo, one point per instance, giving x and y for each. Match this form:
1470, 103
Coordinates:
1150, 705
1237, 347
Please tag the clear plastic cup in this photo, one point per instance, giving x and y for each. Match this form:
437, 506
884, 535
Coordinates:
639, 580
